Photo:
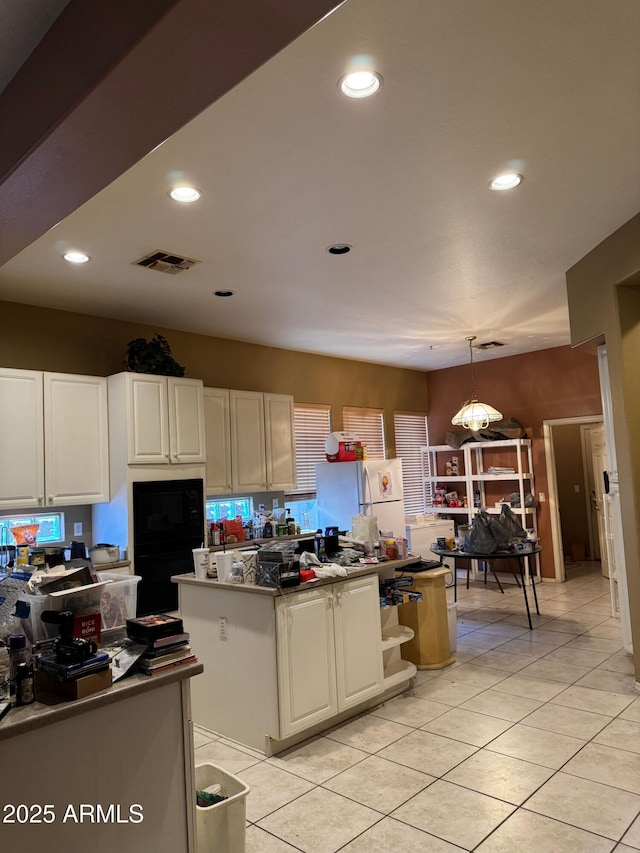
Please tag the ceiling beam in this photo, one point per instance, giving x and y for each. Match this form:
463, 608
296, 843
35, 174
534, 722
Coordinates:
113, 79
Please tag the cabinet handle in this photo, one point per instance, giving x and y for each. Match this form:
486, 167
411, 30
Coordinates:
50, 499
40, 499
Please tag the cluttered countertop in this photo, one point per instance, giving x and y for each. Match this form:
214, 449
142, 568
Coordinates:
49, 708
352, 572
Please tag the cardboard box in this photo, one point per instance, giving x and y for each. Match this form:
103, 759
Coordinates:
77, 688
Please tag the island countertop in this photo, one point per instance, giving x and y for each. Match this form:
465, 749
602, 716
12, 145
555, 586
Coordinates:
52, 709
385, 568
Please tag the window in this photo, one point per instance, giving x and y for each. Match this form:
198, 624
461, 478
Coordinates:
411, 434
229, 508
368, 425
50, 530
312, 425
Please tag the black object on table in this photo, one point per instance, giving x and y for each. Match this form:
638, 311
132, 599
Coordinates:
519, 556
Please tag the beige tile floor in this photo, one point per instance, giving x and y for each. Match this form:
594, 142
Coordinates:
529, 742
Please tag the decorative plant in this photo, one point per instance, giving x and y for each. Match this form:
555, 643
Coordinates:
152, 356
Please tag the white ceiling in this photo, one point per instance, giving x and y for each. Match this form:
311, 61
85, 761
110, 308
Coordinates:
289, 166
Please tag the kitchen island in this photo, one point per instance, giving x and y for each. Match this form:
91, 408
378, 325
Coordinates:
127, 750
284, 664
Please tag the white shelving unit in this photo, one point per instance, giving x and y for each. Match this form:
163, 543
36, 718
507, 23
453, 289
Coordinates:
396, 670
477, 458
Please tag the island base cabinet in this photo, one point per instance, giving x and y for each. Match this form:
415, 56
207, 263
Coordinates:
329, 652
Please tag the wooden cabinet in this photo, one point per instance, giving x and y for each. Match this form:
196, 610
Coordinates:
54, 448
329, 652
250, 441
164, 418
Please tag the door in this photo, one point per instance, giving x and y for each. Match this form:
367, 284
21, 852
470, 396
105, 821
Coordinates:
248, 462
185, 401
148, 422
21, 438
306, 659
217, 425
599, 463
76, 439
359, 672
280, 441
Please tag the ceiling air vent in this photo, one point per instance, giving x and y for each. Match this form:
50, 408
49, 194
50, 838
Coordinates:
489, 345
166, 262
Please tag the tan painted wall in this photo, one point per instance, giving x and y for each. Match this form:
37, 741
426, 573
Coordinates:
602, 291
41, 339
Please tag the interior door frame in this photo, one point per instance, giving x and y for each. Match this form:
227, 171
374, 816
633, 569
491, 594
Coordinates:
552, 485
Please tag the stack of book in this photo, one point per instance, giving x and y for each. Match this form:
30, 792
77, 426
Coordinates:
167, 642
73, 680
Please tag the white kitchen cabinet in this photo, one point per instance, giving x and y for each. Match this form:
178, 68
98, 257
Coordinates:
262, 441
54, 447
280, 666
329, 652
280, 441
306, 659
164, 418
248, 451
217, 425
76, 439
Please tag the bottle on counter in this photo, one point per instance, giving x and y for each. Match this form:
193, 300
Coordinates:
267, 530
291, 524
18, 653
25, 689
319, 545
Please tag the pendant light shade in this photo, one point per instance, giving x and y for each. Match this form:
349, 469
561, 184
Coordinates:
475, 415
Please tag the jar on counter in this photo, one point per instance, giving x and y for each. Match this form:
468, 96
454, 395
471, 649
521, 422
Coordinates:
25, 687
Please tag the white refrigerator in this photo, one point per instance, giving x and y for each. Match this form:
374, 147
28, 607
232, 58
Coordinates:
371, 487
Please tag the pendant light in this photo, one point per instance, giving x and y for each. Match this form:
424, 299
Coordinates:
474, 415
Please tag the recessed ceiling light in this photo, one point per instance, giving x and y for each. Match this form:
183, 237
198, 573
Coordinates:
507, 181
185, 194
223, 292
360, 84
76, 257
339, 249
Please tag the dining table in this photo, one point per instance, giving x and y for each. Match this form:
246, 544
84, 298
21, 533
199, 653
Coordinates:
520, 556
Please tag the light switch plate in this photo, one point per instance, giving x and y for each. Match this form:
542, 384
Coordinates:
77, 528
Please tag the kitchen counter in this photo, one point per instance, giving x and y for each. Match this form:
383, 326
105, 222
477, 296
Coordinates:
284, 664
127, 750
384, 569
50, 709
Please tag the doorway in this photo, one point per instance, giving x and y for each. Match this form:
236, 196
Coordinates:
572, 489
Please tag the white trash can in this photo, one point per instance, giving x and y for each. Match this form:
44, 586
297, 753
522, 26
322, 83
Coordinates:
452, 617
221, 828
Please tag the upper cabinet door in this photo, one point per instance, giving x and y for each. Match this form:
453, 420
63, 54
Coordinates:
186, 420
280, 441
76, 439
147, 419
217, 425
21, 439
248, 461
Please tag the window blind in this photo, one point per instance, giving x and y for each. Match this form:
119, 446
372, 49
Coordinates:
312, 425
411, 434
368, 425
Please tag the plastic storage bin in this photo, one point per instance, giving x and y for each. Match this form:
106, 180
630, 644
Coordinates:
119, 599
221, 828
